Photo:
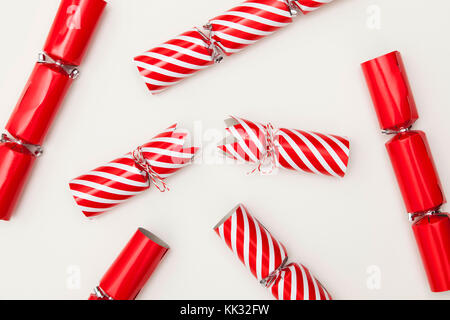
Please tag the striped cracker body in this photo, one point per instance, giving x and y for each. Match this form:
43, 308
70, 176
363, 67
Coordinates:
295, 282
194, 50
249, 22
306, 6
174, 60
107, 186
313, 152
294, 149
265, 257
253, 244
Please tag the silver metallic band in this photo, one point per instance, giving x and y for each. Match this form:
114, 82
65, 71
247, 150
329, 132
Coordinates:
396, 131
35, 150
71, 71
99, 293
414, 216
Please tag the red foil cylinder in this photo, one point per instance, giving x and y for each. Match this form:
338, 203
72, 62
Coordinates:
38, 104
134, 266
72, 29
415, 170
433, 239
15, 166
390, 90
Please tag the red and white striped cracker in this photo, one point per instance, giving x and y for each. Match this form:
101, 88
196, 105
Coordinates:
295, 282
183, 56
105, 187
252, 243
249, 22
306, 6
265, 257
174, 60
295, 149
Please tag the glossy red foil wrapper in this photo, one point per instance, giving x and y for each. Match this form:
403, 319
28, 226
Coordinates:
72, 29
38, 104
133, 267
15, 166
413, 164
94, 297
415, 170
433, 239
390, 90
47, 86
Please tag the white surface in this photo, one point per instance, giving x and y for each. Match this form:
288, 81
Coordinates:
306, 76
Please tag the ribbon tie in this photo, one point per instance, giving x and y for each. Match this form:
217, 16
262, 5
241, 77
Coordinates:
292, 8
270, 154
217, 53
271, 278
138, 157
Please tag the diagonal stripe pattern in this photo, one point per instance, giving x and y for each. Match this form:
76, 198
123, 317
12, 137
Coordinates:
307, 6
294, 149
252, 243
174, 60
194, 50
265, 257
107, 186
249, 22
297, 283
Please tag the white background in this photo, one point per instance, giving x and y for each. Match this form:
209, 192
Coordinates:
306, 76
